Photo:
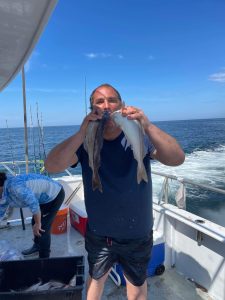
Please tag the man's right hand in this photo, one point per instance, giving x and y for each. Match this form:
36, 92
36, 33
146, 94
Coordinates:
95, 114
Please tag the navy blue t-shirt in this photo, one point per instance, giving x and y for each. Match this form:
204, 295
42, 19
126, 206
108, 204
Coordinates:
124, 209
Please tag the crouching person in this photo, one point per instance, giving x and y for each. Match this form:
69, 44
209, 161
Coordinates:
42, 195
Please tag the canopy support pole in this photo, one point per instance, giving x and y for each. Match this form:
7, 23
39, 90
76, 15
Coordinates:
25, 135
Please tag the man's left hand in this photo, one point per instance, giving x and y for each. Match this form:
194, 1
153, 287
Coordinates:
37, 230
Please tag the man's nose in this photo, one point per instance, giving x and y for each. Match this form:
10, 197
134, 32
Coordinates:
106, 104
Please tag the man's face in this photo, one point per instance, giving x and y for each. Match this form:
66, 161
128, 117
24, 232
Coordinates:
105, 98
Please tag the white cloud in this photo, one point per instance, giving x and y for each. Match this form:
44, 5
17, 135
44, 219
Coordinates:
218, 77
150, 57
27, 66
104, 55
30, 61
44, 66
100, 55
91, 55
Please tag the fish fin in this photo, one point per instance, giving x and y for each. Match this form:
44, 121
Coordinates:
141, 174
96, 182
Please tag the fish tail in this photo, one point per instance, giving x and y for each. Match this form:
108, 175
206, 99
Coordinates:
141, 174
96, 182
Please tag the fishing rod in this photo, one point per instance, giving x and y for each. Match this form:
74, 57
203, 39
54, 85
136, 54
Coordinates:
41, 142
42, 136
33, 140
39, 138
11, 147
9, 210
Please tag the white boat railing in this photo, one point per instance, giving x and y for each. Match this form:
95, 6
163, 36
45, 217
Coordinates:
191, 182
4, 165
15, 168
18, 166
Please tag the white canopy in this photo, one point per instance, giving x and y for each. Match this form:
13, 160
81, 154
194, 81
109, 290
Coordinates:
21, 24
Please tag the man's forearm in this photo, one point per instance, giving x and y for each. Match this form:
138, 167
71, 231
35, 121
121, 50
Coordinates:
37, 218
168, 151
63, 155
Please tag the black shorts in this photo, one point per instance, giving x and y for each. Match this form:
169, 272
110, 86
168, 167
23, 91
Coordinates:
132, 254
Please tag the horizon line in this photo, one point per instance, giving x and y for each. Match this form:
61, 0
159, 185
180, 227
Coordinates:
178, 120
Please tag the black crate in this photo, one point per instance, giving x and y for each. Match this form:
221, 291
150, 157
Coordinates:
17, 275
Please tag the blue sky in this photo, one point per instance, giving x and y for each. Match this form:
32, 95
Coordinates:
166, 57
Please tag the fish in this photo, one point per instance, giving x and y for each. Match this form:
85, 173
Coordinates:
93, 143
73, 281
89, 141
40, 286
134, 134
33, 287
51, 285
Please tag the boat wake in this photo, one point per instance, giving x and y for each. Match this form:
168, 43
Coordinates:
203, 167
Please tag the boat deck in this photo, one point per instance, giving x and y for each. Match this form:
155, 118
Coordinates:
169, 286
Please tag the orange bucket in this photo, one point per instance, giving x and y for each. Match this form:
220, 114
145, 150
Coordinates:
59, 224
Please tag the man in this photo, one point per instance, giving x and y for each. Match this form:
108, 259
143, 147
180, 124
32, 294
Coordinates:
42, 195
120, 218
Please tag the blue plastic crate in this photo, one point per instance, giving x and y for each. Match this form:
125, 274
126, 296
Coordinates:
157, 260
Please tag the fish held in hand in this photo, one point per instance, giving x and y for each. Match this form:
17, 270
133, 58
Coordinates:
93, 145
89, 141
90, 147
133, 132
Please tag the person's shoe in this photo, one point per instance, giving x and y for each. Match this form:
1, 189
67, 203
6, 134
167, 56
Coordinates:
34, 250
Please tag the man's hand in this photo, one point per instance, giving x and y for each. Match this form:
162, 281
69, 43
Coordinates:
133, 113
94, 115
37, 230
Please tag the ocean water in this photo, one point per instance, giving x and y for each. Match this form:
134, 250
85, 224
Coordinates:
204, 144
202, 140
